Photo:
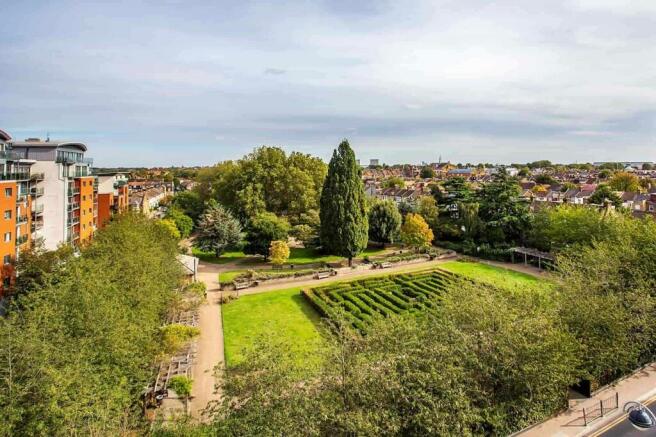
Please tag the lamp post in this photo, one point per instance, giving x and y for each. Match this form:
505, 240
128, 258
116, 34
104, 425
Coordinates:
640, 416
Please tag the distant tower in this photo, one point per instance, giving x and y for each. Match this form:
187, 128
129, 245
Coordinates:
439, 160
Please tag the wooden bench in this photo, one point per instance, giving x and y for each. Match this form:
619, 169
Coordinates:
385, 265
241, 284
323, 275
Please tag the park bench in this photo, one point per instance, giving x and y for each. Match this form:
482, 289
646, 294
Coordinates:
385, 265
322, 275
241, 284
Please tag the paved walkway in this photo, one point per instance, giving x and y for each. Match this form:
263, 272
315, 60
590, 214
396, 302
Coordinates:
210, 345
640, 386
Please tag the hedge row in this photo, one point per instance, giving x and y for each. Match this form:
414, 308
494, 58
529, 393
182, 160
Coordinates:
359, 301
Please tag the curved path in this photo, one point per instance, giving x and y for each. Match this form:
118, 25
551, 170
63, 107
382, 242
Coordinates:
210, 352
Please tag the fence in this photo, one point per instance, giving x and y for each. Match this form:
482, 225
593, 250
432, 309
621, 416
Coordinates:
604, 406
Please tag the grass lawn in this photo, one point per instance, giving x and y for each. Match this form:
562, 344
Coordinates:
225, 277
284, 314
297, 256
287, 315
209, 257
494, 275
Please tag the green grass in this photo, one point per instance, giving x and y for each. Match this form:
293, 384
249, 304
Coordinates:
230, 256
284, 314
226, 277
494, 275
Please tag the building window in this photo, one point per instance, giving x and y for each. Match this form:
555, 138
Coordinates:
7, 237
84, 227
6, 282
8, 214
7, 192
7, 259
84, 197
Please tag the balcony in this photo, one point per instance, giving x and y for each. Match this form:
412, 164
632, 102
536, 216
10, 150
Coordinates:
14, 176
21, 219
36, 226
37, 176
73, 191
72, 236
37, 209
73, 220
22, 239
36, 192
73, 206
21, 197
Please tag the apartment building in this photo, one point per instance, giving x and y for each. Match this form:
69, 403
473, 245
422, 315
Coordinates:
65, 205
15, 207
113, 195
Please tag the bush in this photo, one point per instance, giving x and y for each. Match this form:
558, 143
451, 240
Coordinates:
181, 385
197, 288
174, 336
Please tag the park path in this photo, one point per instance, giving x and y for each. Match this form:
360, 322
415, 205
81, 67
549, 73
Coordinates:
210, 351
210, 346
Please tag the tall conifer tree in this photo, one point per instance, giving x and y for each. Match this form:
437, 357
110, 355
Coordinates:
344, 224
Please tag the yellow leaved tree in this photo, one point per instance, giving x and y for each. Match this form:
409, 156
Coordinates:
415, 232
278, 252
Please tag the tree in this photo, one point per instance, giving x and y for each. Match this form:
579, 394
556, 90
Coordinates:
427, 208
505, 214
217, 230
544, 179
624, 181
279, 252
384, 222
604, 194
190, 203
415, 232
170, 227
456, 190
471, 224
647, 166
268, 180
78, 351
344, 224
427, 172
183, 222
393, 182
262, 230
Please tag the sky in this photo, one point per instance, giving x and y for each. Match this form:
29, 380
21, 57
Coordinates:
149, 83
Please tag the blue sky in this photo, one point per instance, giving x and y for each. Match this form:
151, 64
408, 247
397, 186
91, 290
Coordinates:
197, 82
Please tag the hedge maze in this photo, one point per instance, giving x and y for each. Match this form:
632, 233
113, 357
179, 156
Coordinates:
360, 301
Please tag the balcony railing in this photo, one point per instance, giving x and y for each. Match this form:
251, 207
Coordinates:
37, 176
72, 236
36, 192
14, 176
22, 239
38, 209
73, 220
73, 206
22, 197
21, 219
73, 192
36, 226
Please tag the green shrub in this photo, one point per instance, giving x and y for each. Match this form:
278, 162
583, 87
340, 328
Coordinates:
197, 288
174, 336
181, 385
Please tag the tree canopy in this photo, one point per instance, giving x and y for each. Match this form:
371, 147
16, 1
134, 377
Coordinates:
217, 230
384, 222
262, 230
344, 224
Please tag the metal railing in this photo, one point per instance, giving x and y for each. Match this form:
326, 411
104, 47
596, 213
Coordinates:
37, 209
34, 191
21, 219
73, 236
37, 176
73, 192
14, 176
73, 206
597, 411
73, 220
22, 239
36, 226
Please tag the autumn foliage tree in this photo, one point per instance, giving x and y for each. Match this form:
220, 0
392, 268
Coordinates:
415, 232
278, 252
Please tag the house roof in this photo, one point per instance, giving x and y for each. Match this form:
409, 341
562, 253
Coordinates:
4, 136
35, 142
